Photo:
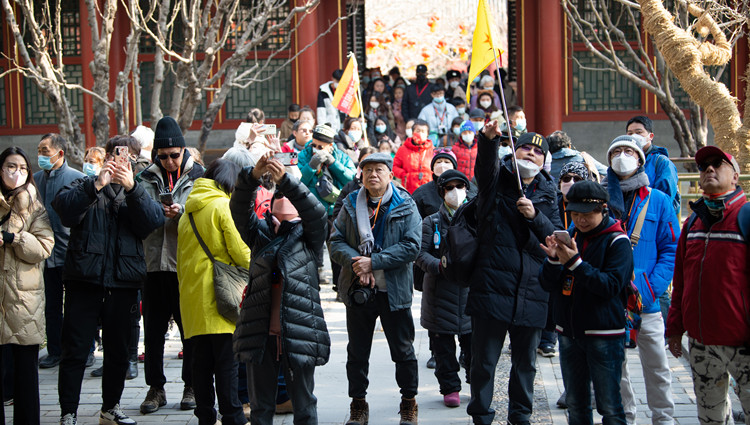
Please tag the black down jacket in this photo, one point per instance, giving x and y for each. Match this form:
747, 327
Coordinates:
107, 229
505, 283
443, 302
304, 335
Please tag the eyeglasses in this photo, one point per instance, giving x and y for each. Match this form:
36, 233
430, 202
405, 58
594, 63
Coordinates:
529, 148
619, 150
715, 162
568, 177
173, 155
12, 168
454, 186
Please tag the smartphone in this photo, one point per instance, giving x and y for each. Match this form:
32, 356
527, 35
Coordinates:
563, 236
166, 198
286, 158
269, 130
121, 155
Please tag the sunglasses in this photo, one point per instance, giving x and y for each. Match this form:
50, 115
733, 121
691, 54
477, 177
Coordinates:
451, 187
567, 178
528, 148
173, 155
716, 163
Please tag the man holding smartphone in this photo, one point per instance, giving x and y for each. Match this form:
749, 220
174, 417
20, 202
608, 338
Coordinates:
168, 181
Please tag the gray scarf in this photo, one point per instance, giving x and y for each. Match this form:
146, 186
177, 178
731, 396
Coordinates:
617, 187
367, 240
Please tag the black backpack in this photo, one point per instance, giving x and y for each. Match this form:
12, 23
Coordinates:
458, 249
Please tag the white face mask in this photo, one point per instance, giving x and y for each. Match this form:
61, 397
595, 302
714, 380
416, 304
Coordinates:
374, 105
485, 103
478, 125
15, 179
503, 151
624, 164
408, 132
527, 169
355, 135
461, 110
455, 197
454, 84
441, 167
468, 138
565, 187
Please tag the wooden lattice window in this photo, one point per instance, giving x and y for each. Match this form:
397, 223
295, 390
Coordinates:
39, 110
273, 96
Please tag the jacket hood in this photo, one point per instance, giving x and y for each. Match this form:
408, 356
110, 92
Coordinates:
326, 88
658, 150
409, 143
204, 191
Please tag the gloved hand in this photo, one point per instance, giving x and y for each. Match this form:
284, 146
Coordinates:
328, 159
317, 159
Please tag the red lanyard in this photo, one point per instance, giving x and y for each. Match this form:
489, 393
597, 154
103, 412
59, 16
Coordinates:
377, 211
441, 118
169, 176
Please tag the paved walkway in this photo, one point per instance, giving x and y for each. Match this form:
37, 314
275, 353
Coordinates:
383, 396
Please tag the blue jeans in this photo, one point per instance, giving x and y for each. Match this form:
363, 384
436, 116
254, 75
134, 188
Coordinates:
597, 360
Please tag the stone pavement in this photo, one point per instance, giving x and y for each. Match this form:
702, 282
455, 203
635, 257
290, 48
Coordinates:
383, 396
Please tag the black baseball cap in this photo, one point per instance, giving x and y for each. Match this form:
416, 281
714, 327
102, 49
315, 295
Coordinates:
585, 196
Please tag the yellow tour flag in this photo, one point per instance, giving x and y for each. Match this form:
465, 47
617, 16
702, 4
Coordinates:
346, 97
484, 46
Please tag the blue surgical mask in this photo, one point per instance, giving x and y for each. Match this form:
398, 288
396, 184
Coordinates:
439, 99
45, 163
380, 128
521, 124
91, 170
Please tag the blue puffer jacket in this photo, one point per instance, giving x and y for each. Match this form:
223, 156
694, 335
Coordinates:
653, 257
342, 171
403, 237
662, 174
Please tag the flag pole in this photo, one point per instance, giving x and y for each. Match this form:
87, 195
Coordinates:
507, 120
359, 99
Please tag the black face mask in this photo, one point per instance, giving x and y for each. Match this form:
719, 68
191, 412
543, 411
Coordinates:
293, 120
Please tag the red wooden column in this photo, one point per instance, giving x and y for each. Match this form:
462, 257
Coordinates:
550, 73
87, 56
307, 76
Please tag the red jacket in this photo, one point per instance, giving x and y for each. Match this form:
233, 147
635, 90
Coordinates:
711, 295
466, 157
412, 164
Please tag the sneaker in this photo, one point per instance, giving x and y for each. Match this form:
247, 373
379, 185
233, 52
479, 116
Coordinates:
68, 419
98, 372
546, 350
359, 412
49, 362
561, 402
284, 408
115, 416
408, 410
155, 399
90, 360
141, 357
181, 354
452, 400
431, 362
188, 399
132, 371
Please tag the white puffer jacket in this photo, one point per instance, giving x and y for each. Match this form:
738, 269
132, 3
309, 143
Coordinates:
22, 263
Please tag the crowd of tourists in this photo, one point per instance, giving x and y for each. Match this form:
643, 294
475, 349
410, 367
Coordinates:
564, 245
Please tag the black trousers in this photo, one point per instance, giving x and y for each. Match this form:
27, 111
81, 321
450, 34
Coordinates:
447, 367
85, 303
25, 364
487, 339
212, 357
262, 380
398, 327
53, 309
161, 301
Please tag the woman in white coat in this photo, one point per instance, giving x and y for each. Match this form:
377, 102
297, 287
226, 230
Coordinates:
26, 241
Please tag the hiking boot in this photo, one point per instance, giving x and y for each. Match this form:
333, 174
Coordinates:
115, 416
155, 399
408, 410
68, 419
359, 412
188, 399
